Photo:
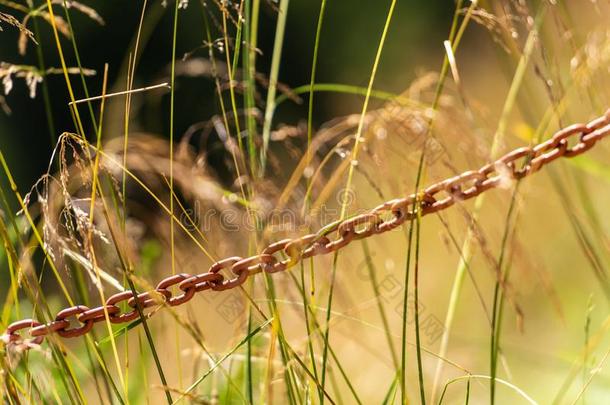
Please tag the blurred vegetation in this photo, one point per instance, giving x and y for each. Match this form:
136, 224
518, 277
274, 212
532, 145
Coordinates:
514, 287
346, 52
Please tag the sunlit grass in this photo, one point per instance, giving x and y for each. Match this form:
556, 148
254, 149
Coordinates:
352, 327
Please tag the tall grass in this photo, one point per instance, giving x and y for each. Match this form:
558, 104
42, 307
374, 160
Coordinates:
121, 211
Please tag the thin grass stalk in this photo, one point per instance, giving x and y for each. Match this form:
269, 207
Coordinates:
80, 129
223, 358
251, 11
268, 391
497, 141
498, 137
122, 213
455, 37
335, 384
353, 159
79, 287
586, 370
45, 87
312, 82
318, 329
596, 371
593, 218
36, 234
128, 271
231, 67
77, 396
308, 322
289, 375
420, 370
251, 125
172, 101
290, 353
308, 155
528, 399
356, 148
80, 67
327, 327
303, 366
403, 353
142, 319
498, 297
94, 189
131, 71
249, 379
171, 175
11, 304
152, 195
586, 242
238, 35
77, 120
276, 57
390, 395
143, 369
372, 271
345, 89
245, 192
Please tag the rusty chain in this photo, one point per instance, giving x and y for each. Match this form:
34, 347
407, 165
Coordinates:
78, 320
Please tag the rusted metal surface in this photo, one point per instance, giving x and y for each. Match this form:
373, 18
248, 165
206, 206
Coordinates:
78, 320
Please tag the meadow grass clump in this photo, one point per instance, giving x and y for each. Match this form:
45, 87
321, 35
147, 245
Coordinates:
177, 134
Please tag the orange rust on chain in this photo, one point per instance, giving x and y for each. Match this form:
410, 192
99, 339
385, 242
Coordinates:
516, 164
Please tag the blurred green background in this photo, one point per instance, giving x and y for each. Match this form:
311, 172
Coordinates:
349, 41
548, 258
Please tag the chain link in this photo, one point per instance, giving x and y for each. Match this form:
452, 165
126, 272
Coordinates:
568, 142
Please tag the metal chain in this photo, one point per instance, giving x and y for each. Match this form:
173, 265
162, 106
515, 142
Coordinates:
78, 320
